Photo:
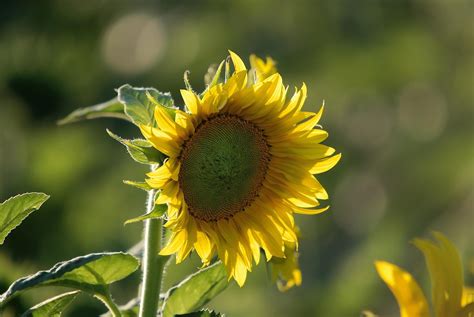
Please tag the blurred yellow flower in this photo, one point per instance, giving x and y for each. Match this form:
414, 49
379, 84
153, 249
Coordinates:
285, 271
450, 298
263, 69
241, 161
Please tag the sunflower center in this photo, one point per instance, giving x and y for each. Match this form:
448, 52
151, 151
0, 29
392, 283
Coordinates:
223, 166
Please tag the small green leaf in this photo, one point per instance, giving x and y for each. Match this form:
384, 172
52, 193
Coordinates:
195, 291
140, 150
90, 273
109, 109
52, 307
140, 185
157, 212
140, 103
202, 313
15, 209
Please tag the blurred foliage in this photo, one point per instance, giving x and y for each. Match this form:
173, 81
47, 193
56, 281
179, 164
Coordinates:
397, 78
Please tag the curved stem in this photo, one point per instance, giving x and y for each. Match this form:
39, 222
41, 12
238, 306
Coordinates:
109, 302
152, 265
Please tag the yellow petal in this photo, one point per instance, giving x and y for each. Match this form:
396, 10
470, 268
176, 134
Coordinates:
159, 177
410, 298
304, 211
444, 265
191, 100
467, 295
169, 194
177, 240
311, 122
240, 272
238, 63
325, 164
166, 123
203, 246
162, 141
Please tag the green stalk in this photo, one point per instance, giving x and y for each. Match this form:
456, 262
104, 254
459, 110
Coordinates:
152, 265
109, 303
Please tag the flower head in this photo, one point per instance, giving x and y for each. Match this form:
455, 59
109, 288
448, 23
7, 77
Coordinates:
241, 161
450, 298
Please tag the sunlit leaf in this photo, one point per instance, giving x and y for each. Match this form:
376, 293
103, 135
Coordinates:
15, 209
52, 307
140, 185
140, 150
195, 291
109, 109
140, 103
202, 313
157, 212
89, 273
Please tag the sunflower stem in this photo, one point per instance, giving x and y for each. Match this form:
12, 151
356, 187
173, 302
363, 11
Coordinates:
153, 263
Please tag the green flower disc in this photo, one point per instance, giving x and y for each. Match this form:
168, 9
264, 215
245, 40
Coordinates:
223, 165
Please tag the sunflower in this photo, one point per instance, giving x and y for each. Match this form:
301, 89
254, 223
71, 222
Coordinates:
241, 161
450, 298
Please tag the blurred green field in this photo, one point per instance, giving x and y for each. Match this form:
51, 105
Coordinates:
397, 78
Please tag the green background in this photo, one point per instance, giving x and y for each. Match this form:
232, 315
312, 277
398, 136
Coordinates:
397, 78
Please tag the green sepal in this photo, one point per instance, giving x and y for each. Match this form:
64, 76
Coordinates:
157, 212
141, 185
195, 291
212, 76
15, 209
90, 273
52, 307
109, 109
217, 75
140, 103
140, 150
202, 313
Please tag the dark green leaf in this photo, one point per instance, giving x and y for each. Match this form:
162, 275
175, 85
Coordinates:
52, 307
157, 212
140, 150
89, 273
202, 313
140, 103
109, 109
195, 291
15, 209
140, 185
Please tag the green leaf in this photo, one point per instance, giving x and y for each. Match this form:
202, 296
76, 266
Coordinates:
109, 109
90, 273
157, 212
52, 307
140, 103
140, 185
140, 150
202, 313
15, 209
195, 291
